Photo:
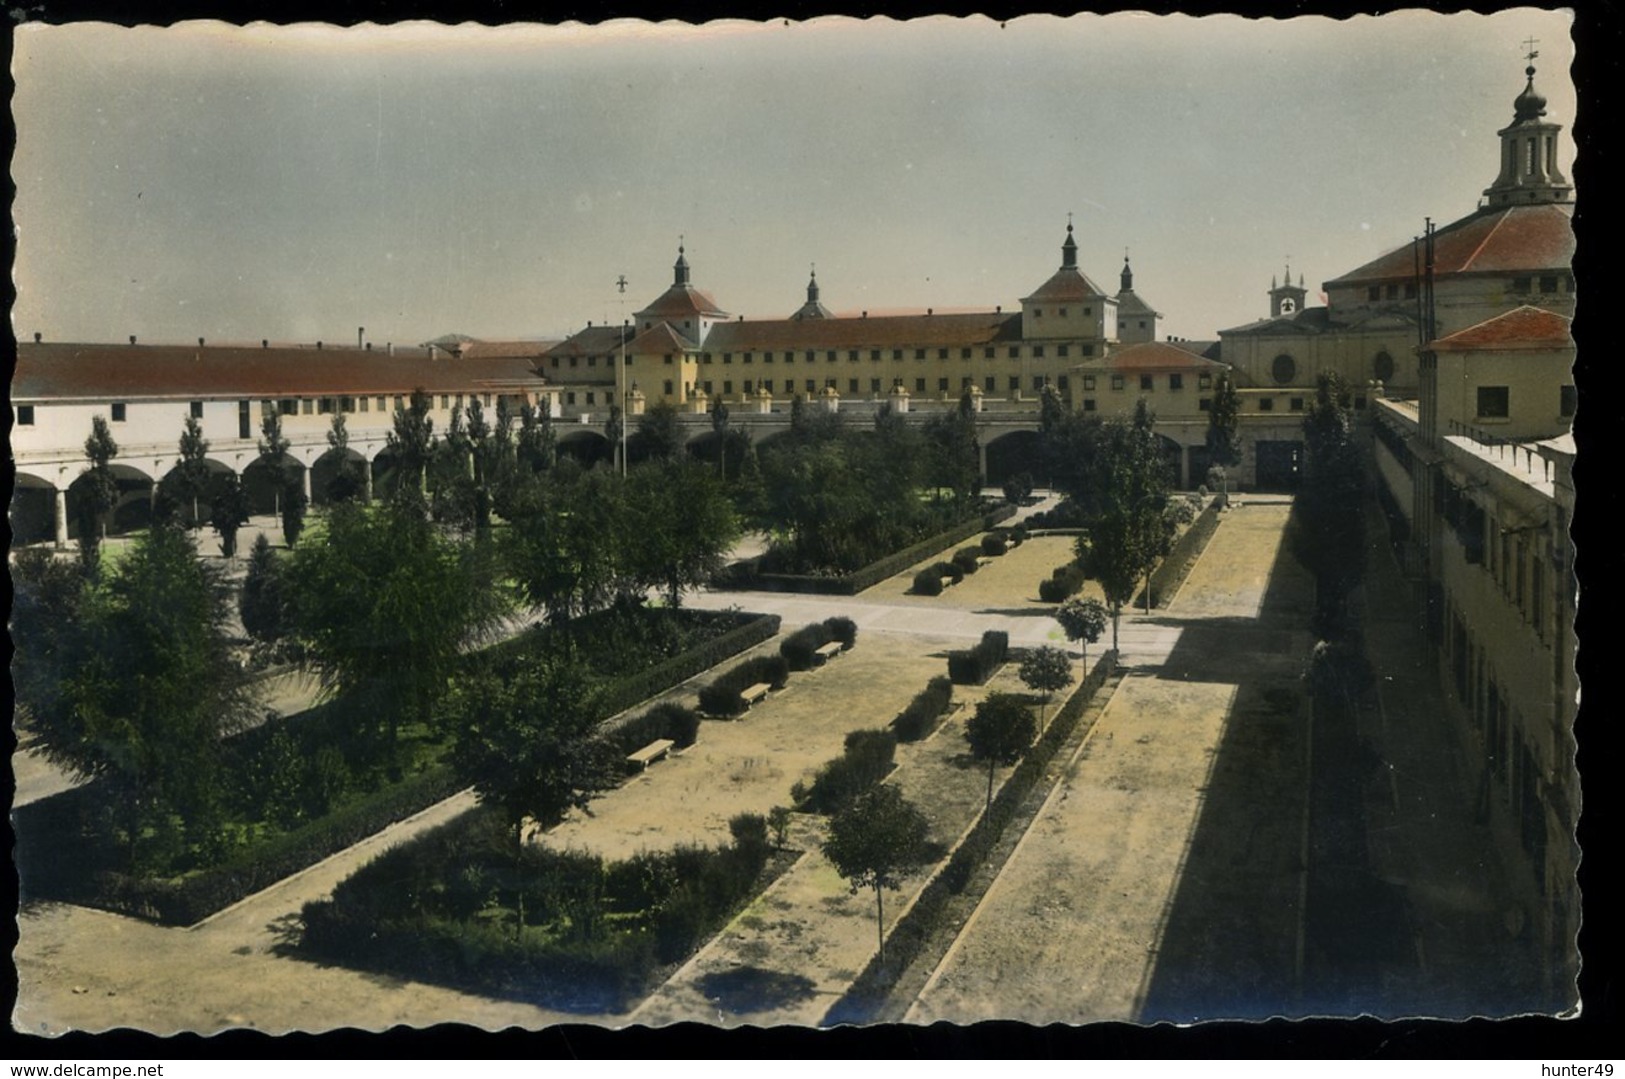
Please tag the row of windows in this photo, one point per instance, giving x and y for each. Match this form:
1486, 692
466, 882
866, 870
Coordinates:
1391, 292
1176, 381
1038, 312
853, 385
1549, 283
989, 352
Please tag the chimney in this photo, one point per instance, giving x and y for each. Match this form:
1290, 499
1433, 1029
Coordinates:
389, 346
360, 335
866, 314
318, 346
265, 342
930, 311
200, 342
132, 339
37, 336
369, 346
998, 309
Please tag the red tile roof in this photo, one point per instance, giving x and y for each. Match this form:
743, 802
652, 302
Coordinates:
592, 341
116, 372
1521, 328
1068, 283
900, 331
490, 350
1150, 356
1504, 240
681, 300
658, 340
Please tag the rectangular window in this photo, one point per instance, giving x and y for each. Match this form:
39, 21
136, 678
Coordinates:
812, 385
811, 355
767, 384
1176, 382
575, 361
1548, 283
1063, 351
1373, 293
746, 387
668, 357
668, 387
1038, 383
306, 405
767, 356
727, 386
592, 361
942, 354
851, 355
964, 353
1088, 404
1393, 292
942, 385
1038, 312
919, 385
1088, 350
708, 389
727, 357
1493, 402
874, 385
590, 397
196, 408
1015, 383
966, 382
988, 352
874, 354
366, 404
1089, 382
1062, 382
570, 397
829, 356
346, 404
1565, 401
919, 354
1295, 404
245, 420
458, 400
989, 384
1145, 382
1038, 352
1205, 404
1204, 382
554, 361
1015, 352
1410, 290
383, 404
852, 385
400, 402
118, 411
1521, 284
1117, 382
1266, 404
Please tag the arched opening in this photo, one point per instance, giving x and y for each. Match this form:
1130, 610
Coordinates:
195, 506
1014, 453
587, 447
33, 510
728, 448
339, 475
264, 481
1173, 461
131, 511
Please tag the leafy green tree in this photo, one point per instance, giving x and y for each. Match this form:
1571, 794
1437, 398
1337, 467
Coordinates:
273, 456
1124, 500
98, 493
150, 690
1223, 449
228, 511
412, 441
660, 432
955, 458
999, 732
537, 447
384, 604
1329, 512
1018, 488
263, 604
1046, 669
192, 474
687, 527
527, 742
572, 546
874, 843
294, 505
719, 428
1082, 620
48, 596
349, 480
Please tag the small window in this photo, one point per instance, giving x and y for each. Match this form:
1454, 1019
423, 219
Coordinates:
966, 382
1015, 383
1061, 312
1117, 382
851, 355
990, 384
942, 385
668, 387
1038, 312
307, 406
554, 361
707, 386
919, 354
1373, 293
1565, 401
767, 384
346, 404
1038, 352
1410, 290
811, 355
383, 404
1205, 404
727, 357
1062, 382
874, 385
570, 397
830, 356
727, 386
964, 353
25, 415
668, 358
197, 410
851, 385
1088, 350
874, 354
988, 352
1176, 382
1393, 292
1493, 402
1063, 351
1145, 383
767, 356
748, 386
1038, 383
1088, 404
118, 411
1088, 382
919, 385
1015, 352
1266, 404
592, 361
575, 361
366, 404
1204, 382
590, 399
1548, 283
1521, 284
400, 402
1088, 310
1295, 404
896, 353
812, 385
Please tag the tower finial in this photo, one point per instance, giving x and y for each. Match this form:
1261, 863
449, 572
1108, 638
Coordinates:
1069, 248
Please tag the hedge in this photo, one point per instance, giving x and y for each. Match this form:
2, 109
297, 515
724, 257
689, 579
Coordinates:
745, 575
629, 691
968, 559
800, 649
866, 760
994, 544
974, 666
919, 719
1066, 582
913, 930
723, 697
927, 582
1171, 573
669, 720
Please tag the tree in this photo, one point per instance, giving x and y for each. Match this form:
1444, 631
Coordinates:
1046, 669
48, 596
1123, 501
614, 431
687, 526
349, 480
1082, 620
1222, 418
537, 447
660, 432
385, 604
149, 691
1018, 488
99, 493
294, 504
955, 458
263, 605
273, 450
874, 843
1329, 512
413, 442
719, 428
228, 511
192, 474
524, 739
999, 732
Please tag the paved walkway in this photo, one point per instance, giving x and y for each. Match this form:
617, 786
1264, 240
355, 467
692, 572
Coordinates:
1071, 929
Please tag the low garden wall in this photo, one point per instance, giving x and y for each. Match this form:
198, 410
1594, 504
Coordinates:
1171, 573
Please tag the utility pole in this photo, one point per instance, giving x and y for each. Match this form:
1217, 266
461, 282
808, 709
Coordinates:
622, 391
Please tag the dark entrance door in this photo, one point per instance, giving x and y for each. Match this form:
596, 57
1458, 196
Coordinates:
1280, 465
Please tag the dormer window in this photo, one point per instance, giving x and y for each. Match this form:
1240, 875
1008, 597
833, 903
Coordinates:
1061, 312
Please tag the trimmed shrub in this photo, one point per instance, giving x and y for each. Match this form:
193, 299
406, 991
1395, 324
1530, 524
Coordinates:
866, 760
723, 696
1018, 535
927, 582
949, 570
919, 719
842, 629
994, 544
800, 649
1066, 582
669, 720
974, 666
967, 559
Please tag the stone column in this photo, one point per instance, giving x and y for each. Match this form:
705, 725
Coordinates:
366, 489
305, 479
59, 511
981, 454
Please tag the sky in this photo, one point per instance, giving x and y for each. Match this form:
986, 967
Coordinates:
295, 183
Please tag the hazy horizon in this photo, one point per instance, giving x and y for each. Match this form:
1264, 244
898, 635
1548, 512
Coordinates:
294, 183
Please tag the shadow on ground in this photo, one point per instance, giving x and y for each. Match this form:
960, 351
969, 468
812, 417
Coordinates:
748, 990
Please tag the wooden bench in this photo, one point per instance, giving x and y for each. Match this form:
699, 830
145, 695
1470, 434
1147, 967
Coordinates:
826, 652
659, 749
752, 694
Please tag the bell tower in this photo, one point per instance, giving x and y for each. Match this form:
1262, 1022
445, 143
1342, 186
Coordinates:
1286, 299
1529, 172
